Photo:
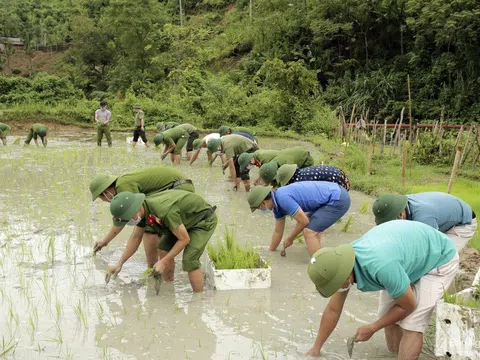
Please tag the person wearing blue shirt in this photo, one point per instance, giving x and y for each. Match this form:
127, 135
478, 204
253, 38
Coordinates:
315, 205
443, 212
409, 262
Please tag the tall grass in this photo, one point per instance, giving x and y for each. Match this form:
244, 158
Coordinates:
228, 254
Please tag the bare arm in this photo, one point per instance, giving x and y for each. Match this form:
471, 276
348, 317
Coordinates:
112, 233
195, 156
404, 306
183, 239
302, 222
329, 321
277, 234
132, 245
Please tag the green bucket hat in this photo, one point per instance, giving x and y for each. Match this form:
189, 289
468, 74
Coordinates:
42, 131
388, 207
137, 106
268, 171
197, 144
213, 145
285, 173
244, 159
124, 206
223, 130
257, 195
329, 268
100, 183
158, 139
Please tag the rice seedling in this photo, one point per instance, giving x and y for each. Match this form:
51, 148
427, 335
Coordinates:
462, 300
78, 310
364, 207
228, 254
7, 346
347, 224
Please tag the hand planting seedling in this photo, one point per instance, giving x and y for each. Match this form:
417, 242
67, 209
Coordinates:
284, 252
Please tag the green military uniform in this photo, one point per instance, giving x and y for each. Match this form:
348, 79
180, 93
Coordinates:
35, 131
260, 156
168, 210
162, 126
175, 136
3, 131
235, 145
224, 129
192, 134
297, 156
139, 116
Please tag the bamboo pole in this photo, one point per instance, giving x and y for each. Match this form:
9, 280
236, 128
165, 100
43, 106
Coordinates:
392, 147
343, 124
398, 143
457, 141
404, 160
349, 130
384, 137
370, 156
454, 168
410, 108
440, 138
374, 135
467, 143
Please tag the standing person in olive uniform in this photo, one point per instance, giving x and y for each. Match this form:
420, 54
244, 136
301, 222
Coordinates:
192, 135
185, 220
227, 130
290, 173
297, 156
147, 181
162, 126
4, 132
139, 126
199, 144
102, 118
35, 131
174, 141
233, 146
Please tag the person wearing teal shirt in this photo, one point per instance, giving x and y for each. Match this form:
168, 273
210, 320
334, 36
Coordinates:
411, 264
444, 212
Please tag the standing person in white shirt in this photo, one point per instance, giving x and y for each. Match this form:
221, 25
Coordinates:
102, 118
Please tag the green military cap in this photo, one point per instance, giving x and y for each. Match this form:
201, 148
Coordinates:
160, 126
42, 131
257, 195
268, 171
223, 129
124, 206
244, 159
100, 183
285, 173
388, 207
137, 106
197, 144
330, 267
213, 145
158, 139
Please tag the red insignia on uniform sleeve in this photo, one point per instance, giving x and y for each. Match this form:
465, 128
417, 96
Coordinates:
152, 220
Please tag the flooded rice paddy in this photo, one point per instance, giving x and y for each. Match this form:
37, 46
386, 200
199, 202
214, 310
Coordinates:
54, 303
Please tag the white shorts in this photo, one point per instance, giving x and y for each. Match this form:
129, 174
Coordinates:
428, 290
462, 234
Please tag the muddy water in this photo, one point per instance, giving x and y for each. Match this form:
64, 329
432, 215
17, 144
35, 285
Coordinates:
54, 301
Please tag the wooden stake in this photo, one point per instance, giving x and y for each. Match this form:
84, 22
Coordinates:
400, 128
384, 137
370, 155
343, 124
440, 138
392, 142
404, 160
457, 141
454, 168
466, 147
350, 125
410, 108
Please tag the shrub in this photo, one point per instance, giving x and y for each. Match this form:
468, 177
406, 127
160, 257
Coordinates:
16, 71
